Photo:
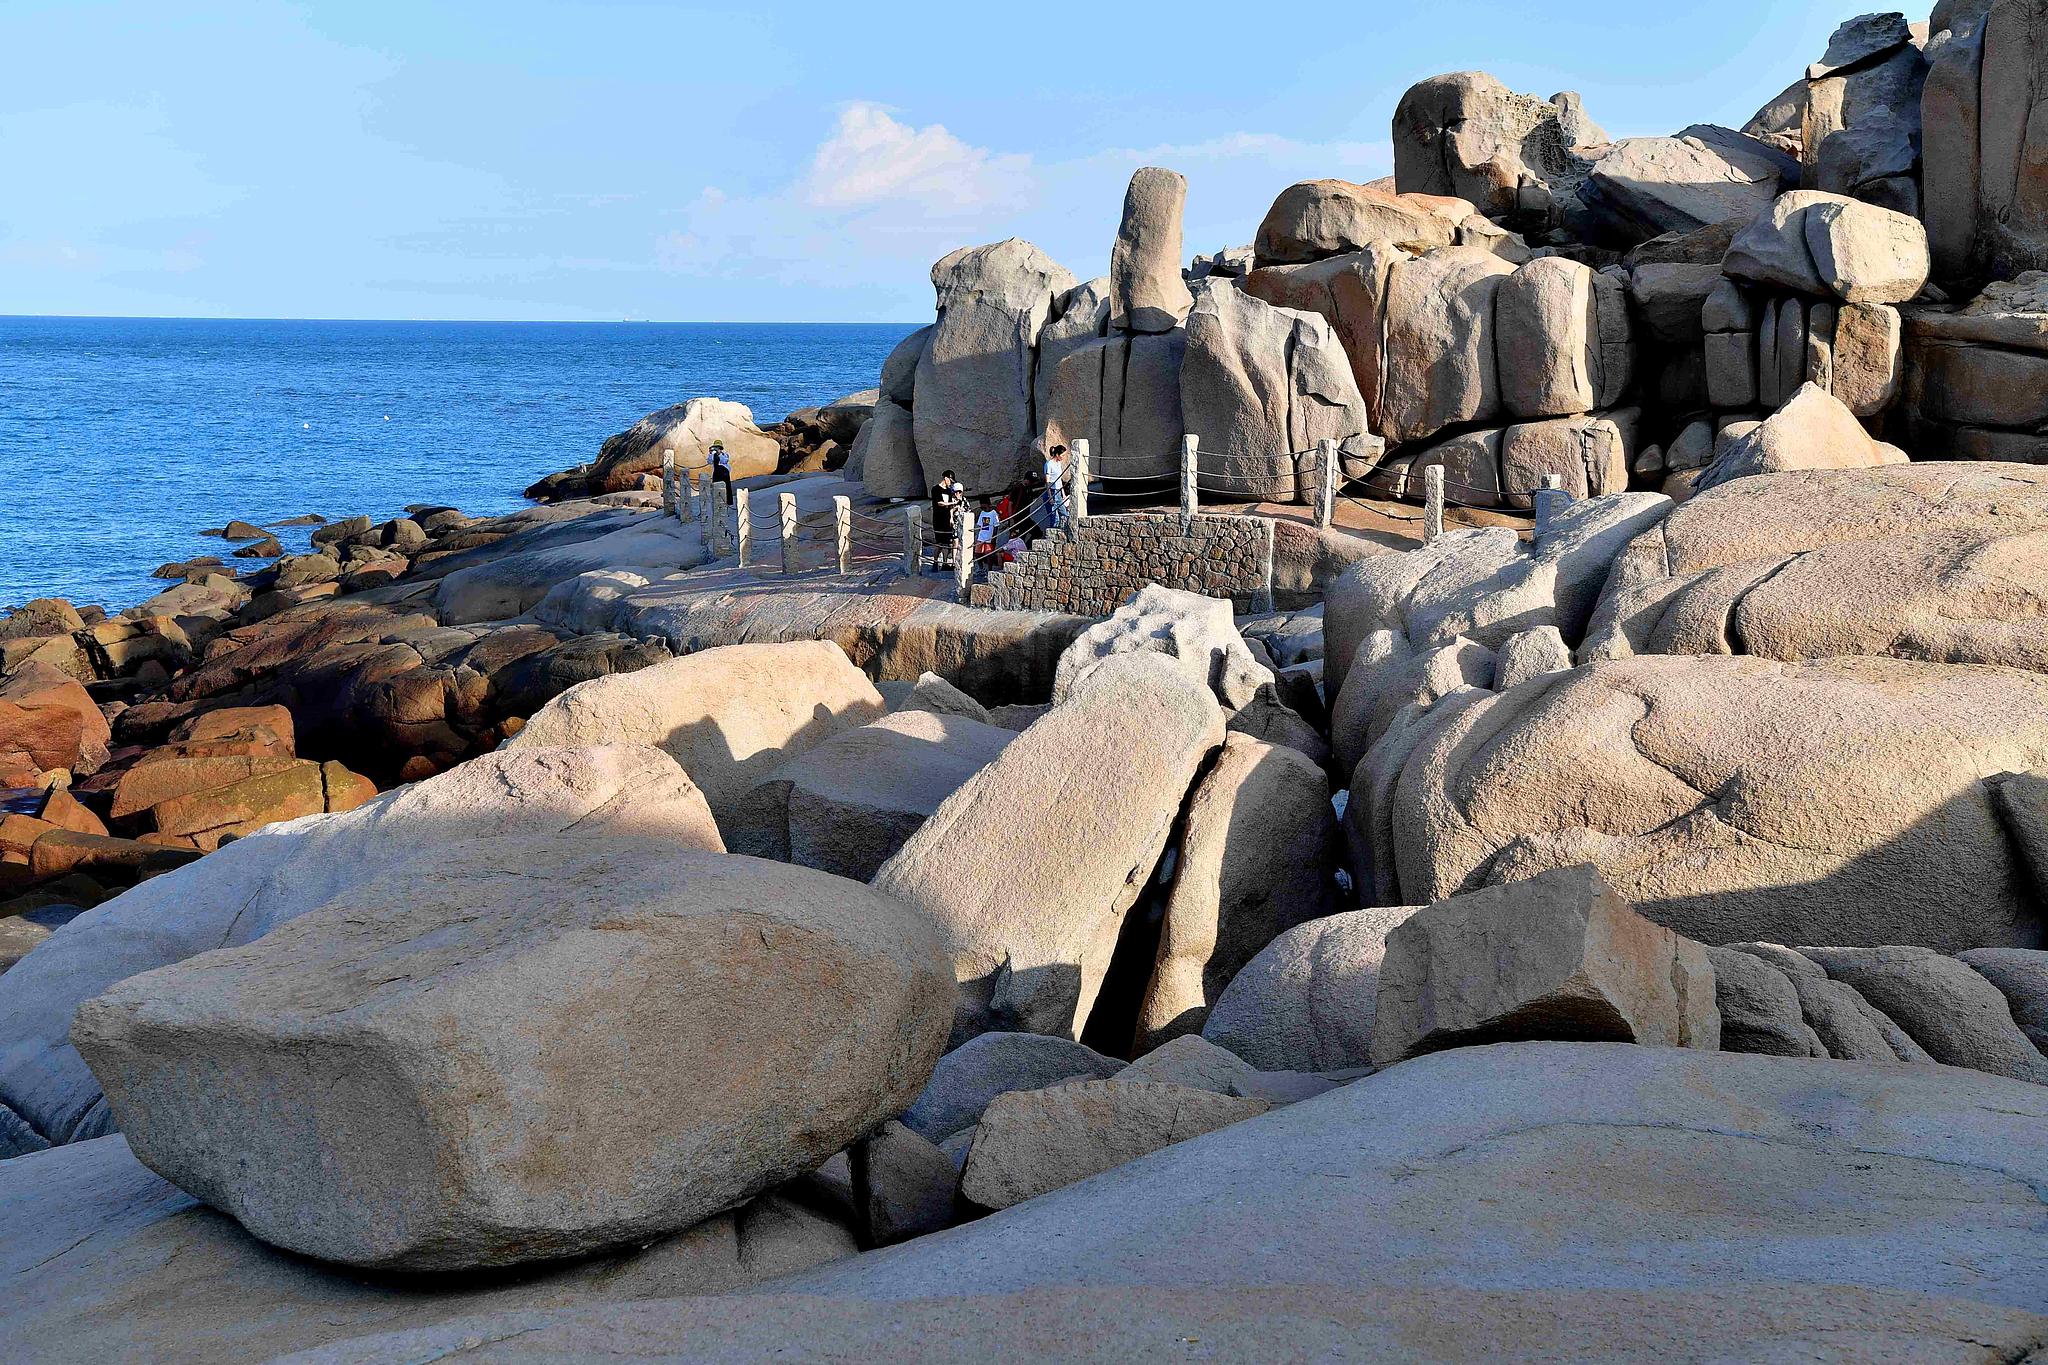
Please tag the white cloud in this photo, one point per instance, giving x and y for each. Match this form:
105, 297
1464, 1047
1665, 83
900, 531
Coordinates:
872, 161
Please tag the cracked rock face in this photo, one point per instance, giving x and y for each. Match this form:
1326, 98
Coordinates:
1841, 801
1934, 561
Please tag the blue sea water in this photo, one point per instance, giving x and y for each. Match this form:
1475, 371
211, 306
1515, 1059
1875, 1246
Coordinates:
122, 438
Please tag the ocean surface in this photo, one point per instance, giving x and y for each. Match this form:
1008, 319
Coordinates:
121, 439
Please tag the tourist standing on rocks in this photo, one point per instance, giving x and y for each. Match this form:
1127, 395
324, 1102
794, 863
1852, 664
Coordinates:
948, 499
1056, 488
721, 468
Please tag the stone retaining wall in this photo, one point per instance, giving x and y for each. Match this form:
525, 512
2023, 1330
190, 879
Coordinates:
1093, 569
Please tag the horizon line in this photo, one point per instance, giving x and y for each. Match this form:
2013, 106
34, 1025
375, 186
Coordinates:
479, 322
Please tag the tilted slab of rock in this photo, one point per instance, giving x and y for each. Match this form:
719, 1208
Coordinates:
848, 804
1813, 242
1881, 1210
1198, 633
1319, 218
105, 1259
1936, 561
1840, 801
729, 715
1556, 956
511, 1054
1032, 1142
1307, 1001
1643, 186
1813, 430
992, 1064
1257, 857
252, 885
1061, 833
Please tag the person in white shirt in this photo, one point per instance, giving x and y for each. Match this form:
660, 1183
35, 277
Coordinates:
985, 531
1056, 488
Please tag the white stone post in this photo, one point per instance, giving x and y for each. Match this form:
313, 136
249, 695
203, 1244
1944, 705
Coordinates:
1550, 499
1326, 482
963, 549
717, 526
842, 530
742, 525
1432, 503
1077, 499
668, 482
1190, 501
787, 505
913, 538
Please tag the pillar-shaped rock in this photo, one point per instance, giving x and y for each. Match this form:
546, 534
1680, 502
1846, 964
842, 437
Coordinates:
1147, 290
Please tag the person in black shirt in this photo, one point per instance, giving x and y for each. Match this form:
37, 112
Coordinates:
948, 498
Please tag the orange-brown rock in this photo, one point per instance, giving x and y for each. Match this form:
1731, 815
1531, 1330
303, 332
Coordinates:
61, 850
66, 811
156, 780
47, 720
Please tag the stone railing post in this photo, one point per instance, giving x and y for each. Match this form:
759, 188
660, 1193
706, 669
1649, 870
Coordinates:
716, 525
742, 525
668, 482
786, 503
913, 538
963, 550
1326, 482
1432, 503
1550, 499
1190, 501
842, 530
1077, 499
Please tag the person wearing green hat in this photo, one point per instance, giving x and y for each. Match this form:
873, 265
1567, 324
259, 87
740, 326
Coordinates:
721, 468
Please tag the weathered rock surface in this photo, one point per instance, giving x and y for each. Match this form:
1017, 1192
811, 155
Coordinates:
1814, 430
687, 429
47, 721
630, 1038
729, 715
992, 1064
1061, 856
973, 409
1145, 263
848, 804
1881, 1210
2021, 976
1032, 1142
1466, 134
106, 1260
903, 1186
1260, 386
1321, 218
1257, 857
1942, 1004
1198, 633
240, 893
1738, 798
1440, 362
1936, 561
1556, 956
1760, 1010
1643, 186
1812, 242
1307, 1001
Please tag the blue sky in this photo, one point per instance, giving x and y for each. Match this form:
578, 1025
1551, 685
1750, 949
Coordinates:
805, 163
